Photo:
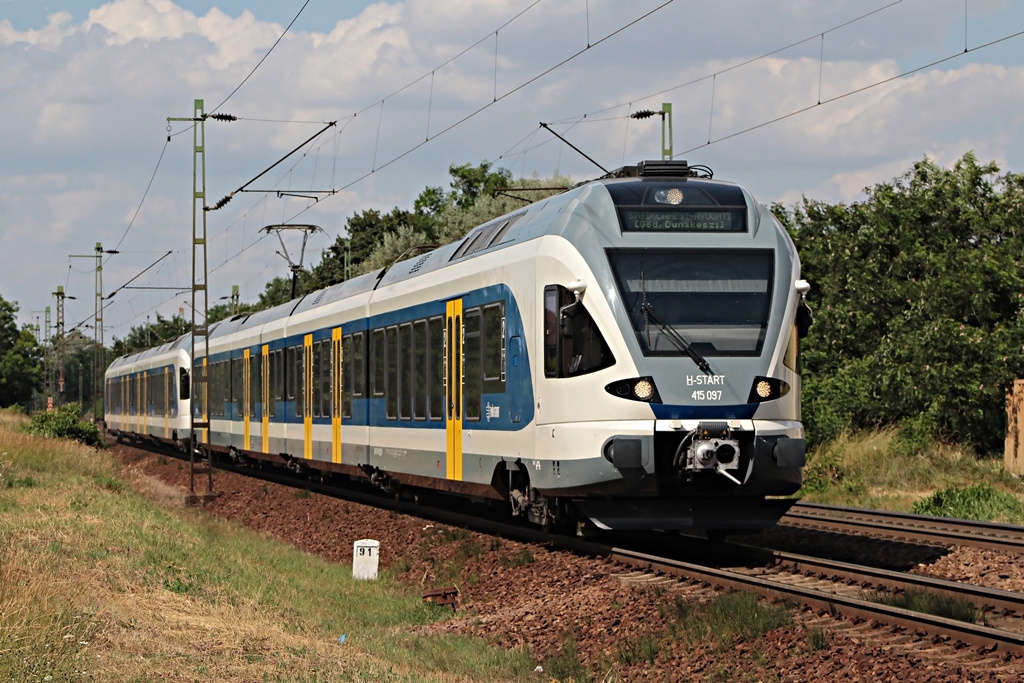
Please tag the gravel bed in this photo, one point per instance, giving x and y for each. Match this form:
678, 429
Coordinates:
520, 595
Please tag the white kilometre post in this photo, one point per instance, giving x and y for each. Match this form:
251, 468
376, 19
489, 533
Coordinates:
365, 558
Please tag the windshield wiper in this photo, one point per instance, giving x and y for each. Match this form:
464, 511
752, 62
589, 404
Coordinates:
677, 339
674, 337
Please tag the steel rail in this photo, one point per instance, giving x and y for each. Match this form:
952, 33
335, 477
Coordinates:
983, 597
937, 530
984, 637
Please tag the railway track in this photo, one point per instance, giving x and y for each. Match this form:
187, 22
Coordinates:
824, 586
840, 589
906, 526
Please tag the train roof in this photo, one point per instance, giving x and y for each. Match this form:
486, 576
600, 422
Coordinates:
550, 216
627, 185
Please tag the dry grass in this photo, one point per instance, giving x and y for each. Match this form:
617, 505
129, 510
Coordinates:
99, 583
871, 470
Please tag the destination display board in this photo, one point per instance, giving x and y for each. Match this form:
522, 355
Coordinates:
683, 220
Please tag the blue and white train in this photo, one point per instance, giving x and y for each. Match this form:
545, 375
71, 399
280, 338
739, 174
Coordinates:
624, 353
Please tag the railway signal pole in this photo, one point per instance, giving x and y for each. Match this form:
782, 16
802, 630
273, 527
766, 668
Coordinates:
200, 291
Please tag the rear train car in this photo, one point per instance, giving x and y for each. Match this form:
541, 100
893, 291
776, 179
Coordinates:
147, 395
624, 354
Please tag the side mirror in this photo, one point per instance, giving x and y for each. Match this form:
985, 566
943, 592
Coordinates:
803, 320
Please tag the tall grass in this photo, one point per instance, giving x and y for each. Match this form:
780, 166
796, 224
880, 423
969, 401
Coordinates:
99, 584
876, 469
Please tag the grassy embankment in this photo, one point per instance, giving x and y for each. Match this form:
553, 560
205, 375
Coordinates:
97, 583
875, 470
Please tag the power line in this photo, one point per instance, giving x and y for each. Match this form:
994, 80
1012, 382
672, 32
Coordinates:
262, 60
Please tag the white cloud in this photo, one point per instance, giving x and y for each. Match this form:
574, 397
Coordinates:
85, 105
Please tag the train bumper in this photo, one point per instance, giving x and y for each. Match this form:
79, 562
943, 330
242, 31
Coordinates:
737, 514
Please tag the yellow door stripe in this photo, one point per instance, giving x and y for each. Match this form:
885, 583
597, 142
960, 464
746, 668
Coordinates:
453, 389
336, 379
265, 378
246, 396
307, 395
167, 403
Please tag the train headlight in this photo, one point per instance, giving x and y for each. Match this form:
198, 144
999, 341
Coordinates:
637, 389
643, 390
767, 389
672, 195
763, 389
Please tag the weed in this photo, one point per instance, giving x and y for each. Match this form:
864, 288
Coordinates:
643, 649
109, 483
817, 638
944, 605
731, 615
567, 665
524, 558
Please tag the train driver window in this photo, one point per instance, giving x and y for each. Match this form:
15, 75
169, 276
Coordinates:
184, 384
573, 344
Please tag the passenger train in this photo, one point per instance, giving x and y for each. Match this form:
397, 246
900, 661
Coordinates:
624, 354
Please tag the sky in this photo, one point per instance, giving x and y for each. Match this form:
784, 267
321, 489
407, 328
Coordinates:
793, 99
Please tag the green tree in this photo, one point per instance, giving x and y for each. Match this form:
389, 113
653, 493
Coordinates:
918, 301
21, 369
384, 236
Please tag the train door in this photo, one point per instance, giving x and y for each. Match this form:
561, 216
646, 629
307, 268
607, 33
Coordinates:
307, 397
246, 399
336, 378
453, 383
265, 392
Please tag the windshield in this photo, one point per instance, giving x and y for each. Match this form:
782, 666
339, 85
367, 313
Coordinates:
717, 301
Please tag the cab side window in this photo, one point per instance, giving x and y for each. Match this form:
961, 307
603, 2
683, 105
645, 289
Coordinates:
573, 344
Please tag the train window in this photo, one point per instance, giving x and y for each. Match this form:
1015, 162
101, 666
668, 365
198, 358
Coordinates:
346, 376
551, 331
318, 387
435, 353
274, 381
714, 302
223, 387
237, 384
358, 369
198, 390
298, 376
377, 353
494, 348
326, 373
184, 384
255, 383
421, 369
573, 344
391, 362
289, 373
472, 372
405, 378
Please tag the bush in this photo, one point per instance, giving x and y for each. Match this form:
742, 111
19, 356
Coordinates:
65, 422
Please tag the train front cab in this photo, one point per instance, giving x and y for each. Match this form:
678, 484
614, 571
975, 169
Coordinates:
695, 289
